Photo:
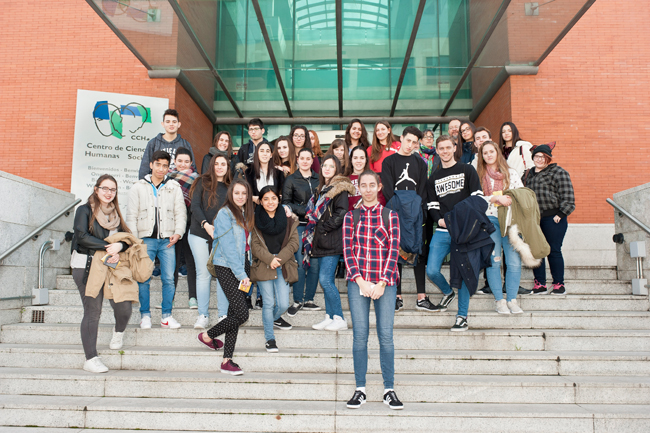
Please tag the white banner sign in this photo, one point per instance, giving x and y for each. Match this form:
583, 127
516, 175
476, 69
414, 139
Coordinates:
110, 135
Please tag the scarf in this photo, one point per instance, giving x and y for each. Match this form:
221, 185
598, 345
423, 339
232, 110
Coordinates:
488, 189
107, 216
272, 229
185, 178
428, 155
315, 209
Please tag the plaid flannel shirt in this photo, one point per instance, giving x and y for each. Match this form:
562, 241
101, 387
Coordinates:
370, 250
553, 188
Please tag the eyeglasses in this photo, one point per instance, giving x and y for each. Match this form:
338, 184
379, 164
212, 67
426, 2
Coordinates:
299, 136
428, 137
106, 189
539, 157
465, 130
254, 129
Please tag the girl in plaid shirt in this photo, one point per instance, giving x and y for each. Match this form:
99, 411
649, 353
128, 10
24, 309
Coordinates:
370, 249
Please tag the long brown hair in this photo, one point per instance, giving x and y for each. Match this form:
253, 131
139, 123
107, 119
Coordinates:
502, 165
346, 153
210, 182
291, 158
321, 179
463, 141
377, 148
315, 145
257, 165
216, 140
363, 140
366, 167
95, 204
246, 219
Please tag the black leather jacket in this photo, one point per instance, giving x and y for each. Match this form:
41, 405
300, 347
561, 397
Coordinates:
297, 191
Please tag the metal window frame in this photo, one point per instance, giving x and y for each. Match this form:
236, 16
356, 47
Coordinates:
339, 52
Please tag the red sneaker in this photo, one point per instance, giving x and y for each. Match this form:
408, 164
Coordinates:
231, 368
214, 344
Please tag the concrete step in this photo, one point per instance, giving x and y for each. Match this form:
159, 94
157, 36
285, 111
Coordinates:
329, 360
408, 317
424, 388
479, 302
312, 416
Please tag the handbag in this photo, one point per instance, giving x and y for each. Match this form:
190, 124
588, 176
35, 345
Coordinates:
210, 264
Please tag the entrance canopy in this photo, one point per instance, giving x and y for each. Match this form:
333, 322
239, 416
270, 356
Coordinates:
295, 59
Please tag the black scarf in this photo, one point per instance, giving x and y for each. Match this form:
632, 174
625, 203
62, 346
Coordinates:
273, 229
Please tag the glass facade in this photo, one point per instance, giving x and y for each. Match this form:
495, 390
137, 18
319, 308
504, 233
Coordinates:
333, 58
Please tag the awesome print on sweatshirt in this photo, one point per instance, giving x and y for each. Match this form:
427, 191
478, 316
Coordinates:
449, 186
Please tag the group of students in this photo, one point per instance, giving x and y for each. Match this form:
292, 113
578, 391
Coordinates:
282, 215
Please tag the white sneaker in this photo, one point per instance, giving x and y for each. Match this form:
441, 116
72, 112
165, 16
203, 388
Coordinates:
502, 308
221, 318
514, 307
145, 323
338, 324
95, 365
117, 340
202, 322
323, 324
169, 322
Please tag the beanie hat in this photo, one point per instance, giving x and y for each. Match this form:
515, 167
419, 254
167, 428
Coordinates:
543, 148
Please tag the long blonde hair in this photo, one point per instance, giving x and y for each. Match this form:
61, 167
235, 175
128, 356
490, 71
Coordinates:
502, 165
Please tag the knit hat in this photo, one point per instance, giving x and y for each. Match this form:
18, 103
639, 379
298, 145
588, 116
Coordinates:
543, 148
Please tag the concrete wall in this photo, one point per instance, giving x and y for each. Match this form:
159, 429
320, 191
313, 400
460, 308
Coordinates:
637, 202
25, 206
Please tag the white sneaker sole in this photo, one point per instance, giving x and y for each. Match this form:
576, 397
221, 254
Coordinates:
232, 373
356, 406
394, 407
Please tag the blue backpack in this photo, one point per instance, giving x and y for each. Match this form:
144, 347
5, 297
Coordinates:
408, 205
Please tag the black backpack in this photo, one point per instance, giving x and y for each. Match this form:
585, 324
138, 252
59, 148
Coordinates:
385, 216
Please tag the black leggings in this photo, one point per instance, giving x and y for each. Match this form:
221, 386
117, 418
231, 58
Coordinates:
92, 311
183, 250
420, 270
237, 309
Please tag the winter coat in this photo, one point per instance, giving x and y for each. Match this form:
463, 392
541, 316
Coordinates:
297, 191
521, 158
247, 151
214, 151
230, 241
159, 143
262, 258
471, 245
553, 189
141, 213
521, 221
328, 235
120, 283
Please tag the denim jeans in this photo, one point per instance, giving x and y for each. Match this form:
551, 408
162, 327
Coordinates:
275, 294
201, 253
167, 257
440, 247
308, 277
554, 234
513, 265
326, 273
385, 313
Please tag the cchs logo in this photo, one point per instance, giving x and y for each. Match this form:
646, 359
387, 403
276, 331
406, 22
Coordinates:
110, 119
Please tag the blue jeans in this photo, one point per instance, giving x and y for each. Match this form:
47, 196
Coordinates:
513, 262
308, 276
439, 248
385, 313
201, 252
326, 273
167, 257
275, 294
554, 234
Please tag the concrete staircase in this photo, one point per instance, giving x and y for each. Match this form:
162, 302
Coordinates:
575, 363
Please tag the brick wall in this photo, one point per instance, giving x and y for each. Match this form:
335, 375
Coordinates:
46, 58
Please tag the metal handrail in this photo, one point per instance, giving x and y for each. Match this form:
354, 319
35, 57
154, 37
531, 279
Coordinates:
39, 229
632, 218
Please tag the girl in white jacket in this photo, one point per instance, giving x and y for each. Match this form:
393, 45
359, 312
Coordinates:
516, 151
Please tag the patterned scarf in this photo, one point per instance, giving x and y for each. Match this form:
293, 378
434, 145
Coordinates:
497, 176
315, 209
185, 178
428, 155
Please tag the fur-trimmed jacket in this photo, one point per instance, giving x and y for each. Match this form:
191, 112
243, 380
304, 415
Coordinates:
521, 221
328, 235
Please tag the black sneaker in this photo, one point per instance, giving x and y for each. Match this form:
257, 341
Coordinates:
293, 310
399, 304
309, 305
258, 304
282, 324
390, 399
539, 289
271, 346
357, 400
460, 325
523, 291
426, 305
249, 302
484, 291
558, 289
446, 300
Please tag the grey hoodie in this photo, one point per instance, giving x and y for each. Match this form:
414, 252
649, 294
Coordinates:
159, 143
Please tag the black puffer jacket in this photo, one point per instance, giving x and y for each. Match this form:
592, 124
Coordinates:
297, 191
328, 235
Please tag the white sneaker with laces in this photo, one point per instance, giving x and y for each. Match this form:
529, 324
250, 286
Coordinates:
169, 322
95, 365
514, 307
117, 341
145, 322
502, 308
202, 322
323, 324
338, 324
